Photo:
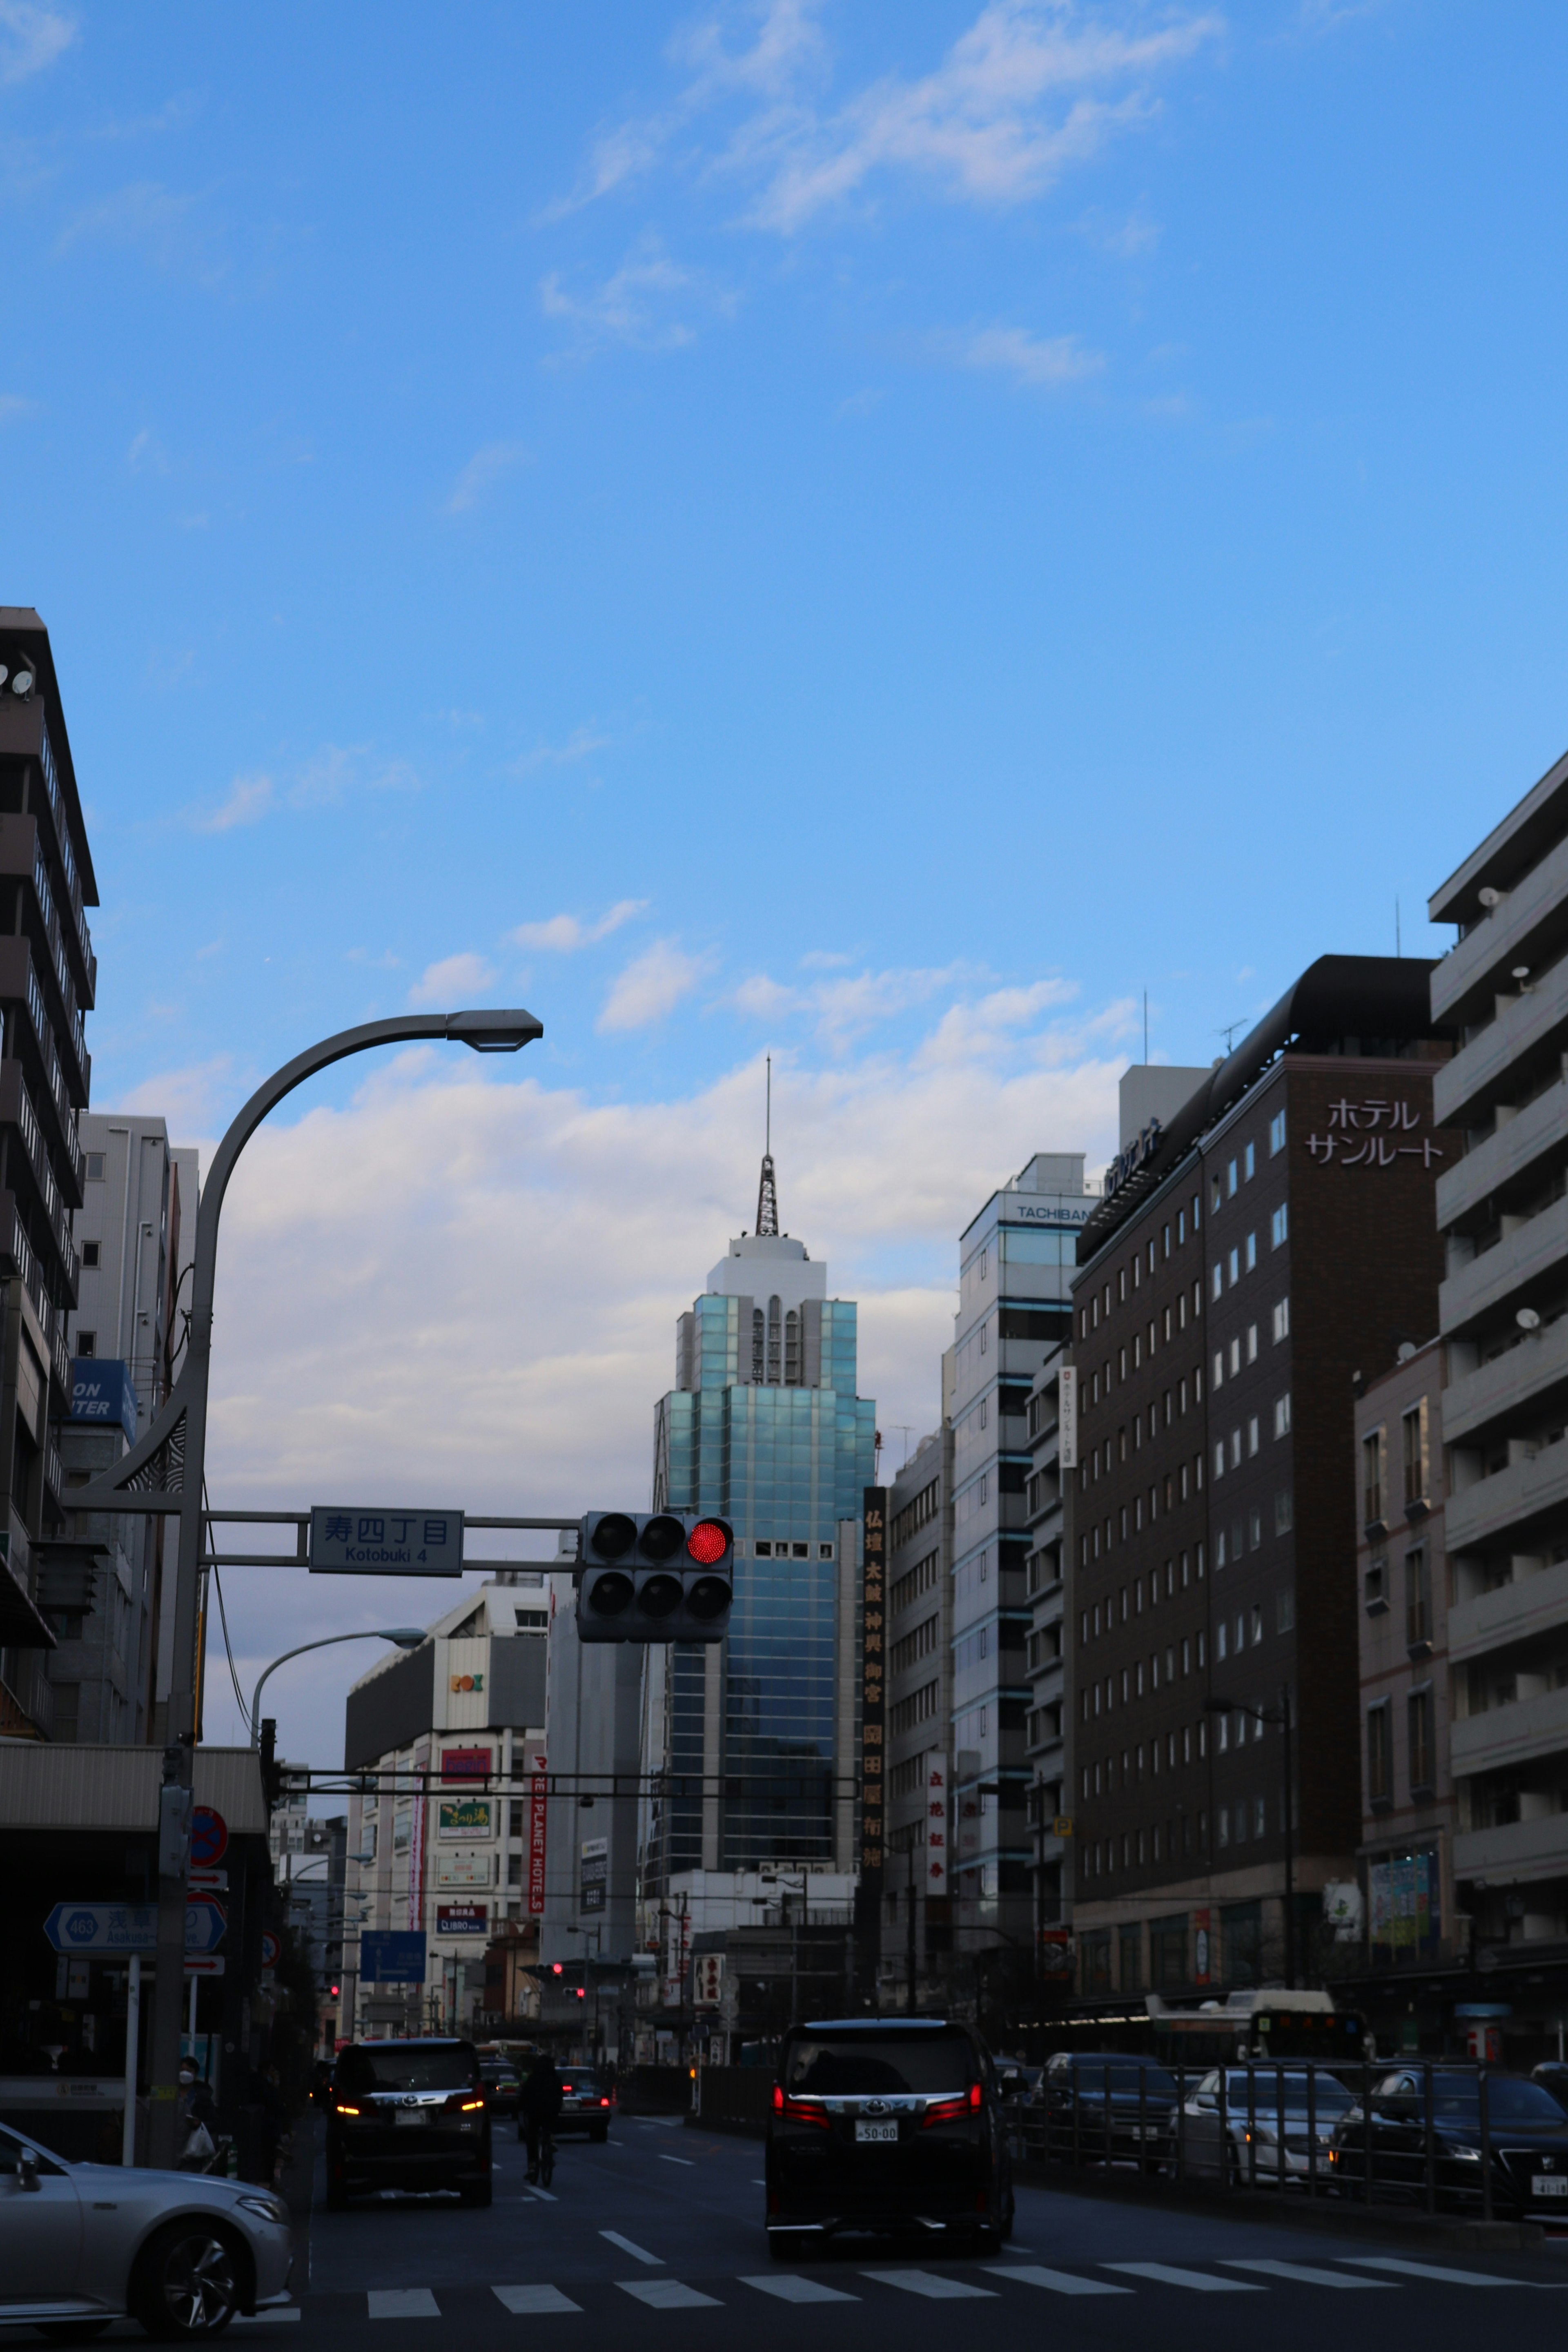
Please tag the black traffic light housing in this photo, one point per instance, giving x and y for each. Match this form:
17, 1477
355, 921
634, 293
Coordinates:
655, 1576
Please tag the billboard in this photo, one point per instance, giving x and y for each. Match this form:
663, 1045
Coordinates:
937, 1778
462, 1919
873, 1560
463, 1817
594, 1883
102, 1392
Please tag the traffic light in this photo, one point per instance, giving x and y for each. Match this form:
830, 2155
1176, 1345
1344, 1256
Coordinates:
661, 1576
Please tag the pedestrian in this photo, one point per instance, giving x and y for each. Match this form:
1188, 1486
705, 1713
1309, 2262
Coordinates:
198, 2115
539, 2104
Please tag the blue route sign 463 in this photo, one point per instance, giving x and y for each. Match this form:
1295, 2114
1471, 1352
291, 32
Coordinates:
112, 1927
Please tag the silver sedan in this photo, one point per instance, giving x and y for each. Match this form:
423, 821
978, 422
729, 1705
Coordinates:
80, 2244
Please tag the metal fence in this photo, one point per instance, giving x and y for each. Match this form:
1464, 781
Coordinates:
1300, 2128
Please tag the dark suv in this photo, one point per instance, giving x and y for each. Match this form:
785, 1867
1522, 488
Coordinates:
408, 2114
889, 2127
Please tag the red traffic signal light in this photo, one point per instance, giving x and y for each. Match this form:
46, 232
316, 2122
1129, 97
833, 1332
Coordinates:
709, 1540
555, 1968
333, 1990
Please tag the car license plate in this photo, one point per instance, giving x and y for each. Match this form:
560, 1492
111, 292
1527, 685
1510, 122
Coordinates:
1546, 2185
879, 2132
414, 2115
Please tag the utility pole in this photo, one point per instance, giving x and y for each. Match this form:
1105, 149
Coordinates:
163, 1475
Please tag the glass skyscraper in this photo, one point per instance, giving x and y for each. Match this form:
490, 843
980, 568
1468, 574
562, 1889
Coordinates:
763, 1426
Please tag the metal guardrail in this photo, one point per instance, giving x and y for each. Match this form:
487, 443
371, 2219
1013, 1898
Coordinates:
1307, 2127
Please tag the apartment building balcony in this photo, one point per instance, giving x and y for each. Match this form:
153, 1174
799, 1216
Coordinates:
1463, 984
1509, 1389
1508, 1735
1484, 1072
1478, 1517
1506, 1155
1515, 1853
1519, 1611
1502, 1277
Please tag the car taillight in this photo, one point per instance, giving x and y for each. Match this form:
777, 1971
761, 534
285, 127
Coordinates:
949, 2111
799, 2111
603, 2103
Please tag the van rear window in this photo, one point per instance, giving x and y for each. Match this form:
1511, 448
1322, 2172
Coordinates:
409, 2068
870, 2065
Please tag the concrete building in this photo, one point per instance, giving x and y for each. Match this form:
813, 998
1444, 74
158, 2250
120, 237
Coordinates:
447, 1739
916, 1905
1016, 1266
754, 1738
135, 1235
48, 979
1255, 1251
1046, 1732
1504, 1228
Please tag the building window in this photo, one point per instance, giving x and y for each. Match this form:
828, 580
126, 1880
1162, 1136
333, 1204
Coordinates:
1376, 1587
1284, 1513
87, 1343
1255, 1528
90, 1253
1285, 1611
1251, 1252
1231, 1180
1257, 1624
1282, 1415
1236, 1265
1259, 1817
984, 1339
1279, 1225
1181, 1226
1222, 1641
1252, 1434
1413, 1426
1250, 1162
1419, 1722
1215, 1192
1219, 1459
1218, 1368
1236, 1449
1281, 1320
95, 1167
1252, 1343
1379, 1756
1417, 1600
1276, 1133
1373, 1465
1218, 1279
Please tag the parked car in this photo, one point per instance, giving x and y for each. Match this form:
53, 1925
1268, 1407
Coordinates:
886, 2125
586, 2103
84, 2244
408, 2114
1094, 2106
503, 2086
1526, 2143
1552, 2075
1277, 2120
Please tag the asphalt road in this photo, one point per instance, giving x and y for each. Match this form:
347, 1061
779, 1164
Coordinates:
660, 2231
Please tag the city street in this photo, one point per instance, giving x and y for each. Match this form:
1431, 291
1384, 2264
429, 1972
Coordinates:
664, 2219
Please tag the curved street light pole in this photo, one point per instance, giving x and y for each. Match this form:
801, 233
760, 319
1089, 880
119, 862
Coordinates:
407, 1637
163, 1473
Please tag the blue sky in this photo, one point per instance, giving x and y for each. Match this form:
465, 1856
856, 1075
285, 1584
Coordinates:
875, 535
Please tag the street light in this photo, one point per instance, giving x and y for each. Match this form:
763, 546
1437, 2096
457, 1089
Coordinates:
407, 1637
163, 1475
1281, 1716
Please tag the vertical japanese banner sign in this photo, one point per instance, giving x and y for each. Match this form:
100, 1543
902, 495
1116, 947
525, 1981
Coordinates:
873, 1688
417, 1839
1067, 1417
537, 1810
936, 1823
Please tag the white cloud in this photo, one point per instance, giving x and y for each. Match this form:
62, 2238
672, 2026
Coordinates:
1032, 89
250, 800
651, 986
455, 980
456, 1257
636, 304
564, 934
484, 469
844, 1008
169, 229
31, 38
13, 405
581, 744
1043, 362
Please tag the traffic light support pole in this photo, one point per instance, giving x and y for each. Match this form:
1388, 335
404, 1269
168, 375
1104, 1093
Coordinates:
163, 1475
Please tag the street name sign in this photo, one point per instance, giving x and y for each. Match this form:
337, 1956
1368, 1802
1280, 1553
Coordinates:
352, 1540
131, 1926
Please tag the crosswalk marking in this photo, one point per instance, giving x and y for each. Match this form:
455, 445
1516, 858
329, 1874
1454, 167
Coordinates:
544, 2196
927, 2283
1055, 2282
1308, 2274
627, 2247
402, 2303
791, 2287
534, 2299
668, 2294
1169, 2274
1429, 2271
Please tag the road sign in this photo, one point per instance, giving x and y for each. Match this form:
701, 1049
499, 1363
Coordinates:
272, 1947
204, 1964
391, 1956
209, 1882
209, 1837
207, 1923
350, 1539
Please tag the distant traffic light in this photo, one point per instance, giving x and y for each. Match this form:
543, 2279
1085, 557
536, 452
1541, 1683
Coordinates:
661, 1576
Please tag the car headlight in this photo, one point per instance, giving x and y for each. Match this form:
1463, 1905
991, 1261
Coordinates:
271, 2209
1465, 2155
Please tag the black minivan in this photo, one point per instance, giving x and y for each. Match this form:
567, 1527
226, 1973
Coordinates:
408, 2114
887, 2124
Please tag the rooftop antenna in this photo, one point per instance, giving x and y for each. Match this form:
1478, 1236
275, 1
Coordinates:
1397, 949
1145, 1028
1227, 1031
767, 1190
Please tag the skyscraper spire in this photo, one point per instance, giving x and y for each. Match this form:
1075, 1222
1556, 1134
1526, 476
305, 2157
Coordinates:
767, 1190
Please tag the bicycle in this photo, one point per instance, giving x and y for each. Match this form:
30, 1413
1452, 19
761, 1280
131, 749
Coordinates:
544, 2165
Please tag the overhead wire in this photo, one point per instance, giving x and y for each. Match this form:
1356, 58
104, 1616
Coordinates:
223, 1617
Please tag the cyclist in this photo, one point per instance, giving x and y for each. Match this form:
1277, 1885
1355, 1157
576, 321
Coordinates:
538, 2105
